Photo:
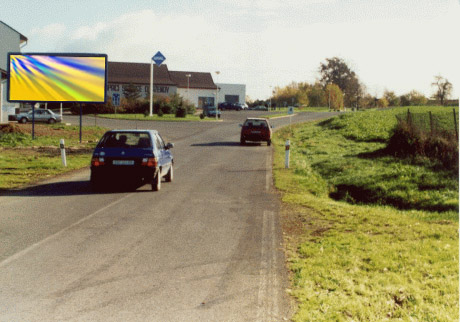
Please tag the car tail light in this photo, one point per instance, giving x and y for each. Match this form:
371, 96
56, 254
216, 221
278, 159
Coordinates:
150, 162
96, 162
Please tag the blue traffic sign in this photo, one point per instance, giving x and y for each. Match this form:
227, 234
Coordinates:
158, 59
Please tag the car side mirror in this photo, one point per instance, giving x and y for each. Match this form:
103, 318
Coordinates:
169, 146
240, 125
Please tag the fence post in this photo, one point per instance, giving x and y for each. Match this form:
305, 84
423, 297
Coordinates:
455, 123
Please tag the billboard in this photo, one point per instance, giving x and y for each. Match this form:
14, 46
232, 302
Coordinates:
39, 77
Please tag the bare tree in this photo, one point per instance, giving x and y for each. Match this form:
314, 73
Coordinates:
443, 89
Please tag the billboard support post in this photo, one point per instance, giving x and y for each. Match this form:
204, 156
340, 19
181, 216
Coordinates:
81, 112
33, 121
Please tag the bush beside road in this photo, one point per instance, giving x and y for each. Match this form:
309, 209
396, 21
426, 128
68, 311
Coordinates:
366, 260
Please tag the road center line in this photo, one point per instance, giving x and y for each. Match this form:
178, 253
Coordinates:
23, 252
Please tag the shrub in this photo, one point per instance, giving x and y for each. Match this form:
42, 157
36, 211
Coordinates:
90, 108
411, 140
181, 111
167, 108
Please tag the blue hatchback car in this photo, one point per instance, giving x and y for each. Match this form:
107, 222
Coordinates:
131, 156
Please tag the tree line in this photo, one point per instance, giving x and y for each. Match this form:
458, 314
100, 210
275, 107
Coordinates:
339, 87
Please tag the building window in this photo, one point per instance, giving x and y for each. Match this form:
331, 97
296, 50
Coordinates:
205, 101
232, 98
116, 99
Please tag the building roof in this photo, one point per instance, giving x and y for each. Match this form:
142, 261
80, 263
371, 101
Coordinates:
138, 73
196, 80
22, 38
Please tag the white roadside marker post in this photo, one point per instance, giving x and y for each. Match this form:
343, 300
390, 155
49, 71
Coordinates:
63, 157
287, 148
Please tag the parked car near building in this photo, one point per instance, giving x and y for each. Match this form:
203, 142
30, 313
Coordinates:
259, 108
131, 157
256, 129
242, 106
229, 106
41, 115
210, 111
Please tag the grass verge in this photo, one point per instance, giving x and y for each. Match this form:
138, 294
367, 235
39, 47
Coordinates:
24, 161
363, 262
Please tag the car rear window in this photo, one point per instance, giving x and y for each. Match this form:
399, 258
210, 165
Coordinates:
125, 140
256, 123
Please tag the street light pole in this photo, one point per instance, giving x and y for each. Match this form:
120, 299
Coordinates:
270, 98
188, 85
217, 100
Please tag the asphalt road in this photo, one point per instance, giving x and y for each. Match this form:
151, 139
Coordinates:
207, 247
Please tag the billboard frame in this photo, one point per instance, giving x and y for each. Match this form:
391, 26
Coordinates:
56, 55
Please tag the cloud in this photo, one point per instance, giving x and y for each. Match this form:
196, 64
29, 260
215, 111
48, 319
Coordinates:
54, 30
395, 54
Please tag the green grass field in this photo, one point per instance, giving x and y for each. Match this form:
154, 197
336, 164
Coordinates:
393, 254
24, 161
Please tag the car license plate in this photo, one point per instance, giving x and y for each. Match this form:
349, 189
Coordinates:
123, 162
256, 132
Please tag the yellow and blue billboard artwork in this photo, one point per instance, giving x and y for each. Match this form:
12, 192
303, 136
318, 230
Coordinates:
57, 78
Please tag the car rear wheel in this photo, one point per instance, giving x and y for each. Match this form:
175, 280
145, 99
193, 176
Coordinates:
170, 176
156, 182
269, 142
242, 141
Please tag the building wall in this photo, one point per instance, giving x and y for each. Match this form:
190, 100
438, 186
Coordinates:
198, 97
10, 42
232, 90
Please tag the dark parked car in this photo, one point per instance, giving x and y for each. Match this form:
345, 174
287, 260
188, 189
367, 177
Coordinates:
230, 106
131, 156
41, 115
256, 129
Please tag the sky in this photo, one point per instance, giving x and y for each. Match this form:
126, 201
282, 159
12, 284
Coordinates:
396, 45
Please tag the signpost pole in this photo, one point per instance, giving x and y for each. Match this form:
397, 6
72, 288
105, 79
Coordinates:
151, 88
158, 58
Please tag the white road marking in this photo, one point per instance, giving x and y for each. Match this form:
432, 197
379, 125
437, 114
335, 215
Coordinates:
43, 241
